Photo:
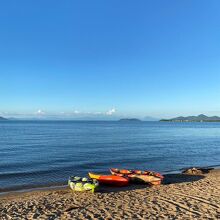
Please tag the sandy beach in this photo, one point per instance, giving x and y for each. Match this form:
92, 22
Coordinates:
180, 197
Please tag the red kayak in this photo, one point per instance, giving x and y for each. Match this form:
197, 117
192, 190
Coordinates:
110, 179
150, 177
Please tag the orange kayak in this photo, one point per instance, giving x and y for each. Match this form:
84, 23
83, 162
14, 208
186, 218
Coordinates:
139, 176
110, 179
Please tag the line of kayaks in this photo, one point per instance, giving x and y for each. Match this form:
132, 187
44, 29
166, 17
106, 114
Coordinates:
118, 177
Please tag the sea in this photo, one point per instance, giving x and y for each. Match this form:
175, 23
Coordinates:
45, 153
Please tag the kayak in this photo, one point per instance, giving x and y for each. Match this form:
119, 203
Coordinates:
80, 184
139, 176
110, 179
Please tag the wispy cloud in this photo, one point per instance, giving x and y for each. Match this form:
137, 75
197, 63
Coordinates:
111, 111
40, 112
97, 113
76, 112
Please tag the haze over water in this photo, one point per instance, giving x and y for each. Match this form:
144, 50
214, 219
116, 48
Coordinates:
43, 153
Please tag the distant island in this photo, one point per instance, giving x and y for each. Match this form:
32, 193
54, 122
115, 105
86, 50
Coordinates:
199, 118
3, 119
130, 120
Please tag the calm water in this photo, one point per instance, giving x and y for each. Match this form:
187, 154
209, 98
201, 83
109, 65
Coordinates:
34, 153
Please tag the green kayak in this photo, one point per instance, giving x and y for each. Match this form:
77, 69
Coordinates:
82, 184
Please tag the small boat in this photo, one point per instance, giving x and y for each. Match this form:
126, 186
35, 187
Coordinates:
80, 184
139, 176
110, 179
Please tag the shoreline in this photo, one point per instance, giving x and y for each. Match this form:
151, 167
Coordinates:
170, 178
181, 196
35, 189
64, 185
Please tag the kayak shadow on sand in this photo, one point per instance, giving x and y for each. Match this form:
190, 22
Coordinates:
181, 178
168, 179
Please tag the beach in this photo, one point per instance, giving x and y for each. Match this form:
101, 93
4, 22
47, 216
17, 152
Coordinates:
181, 196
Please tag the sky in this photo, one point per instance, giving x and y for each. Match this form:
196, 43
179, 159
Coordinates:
106, 59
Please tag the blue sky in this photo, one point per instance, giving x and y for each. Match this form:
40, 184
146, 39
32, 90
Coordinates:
109, 58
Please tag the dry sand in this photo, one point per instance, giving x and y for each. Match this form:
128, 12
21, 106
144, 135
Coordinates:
181, 197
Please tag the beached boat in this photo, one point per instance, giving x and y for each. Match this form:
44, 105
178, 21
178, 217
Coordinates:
139, 176
110, 179
80, 184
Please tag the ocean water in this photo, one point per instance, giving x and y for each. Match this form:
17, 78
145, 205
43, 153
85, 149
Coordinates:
46, 153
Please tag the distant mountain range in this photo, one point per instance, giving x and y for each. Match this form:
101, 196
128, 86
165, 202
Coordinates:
199, 118
97, 117
130, 120
3, 119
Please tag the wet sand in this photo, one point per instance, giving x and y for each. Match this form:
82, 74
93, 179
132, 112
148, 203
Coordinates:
180, 197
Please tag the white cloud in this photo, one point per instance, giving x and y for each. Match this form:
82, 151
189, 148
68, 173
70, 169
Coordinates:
40, 112
76, 112
111, 111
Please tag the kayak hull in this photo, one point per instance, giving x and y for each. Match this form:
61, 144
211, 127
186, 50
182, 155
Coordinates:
138, 176
145, 179
111, 180
80, 184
